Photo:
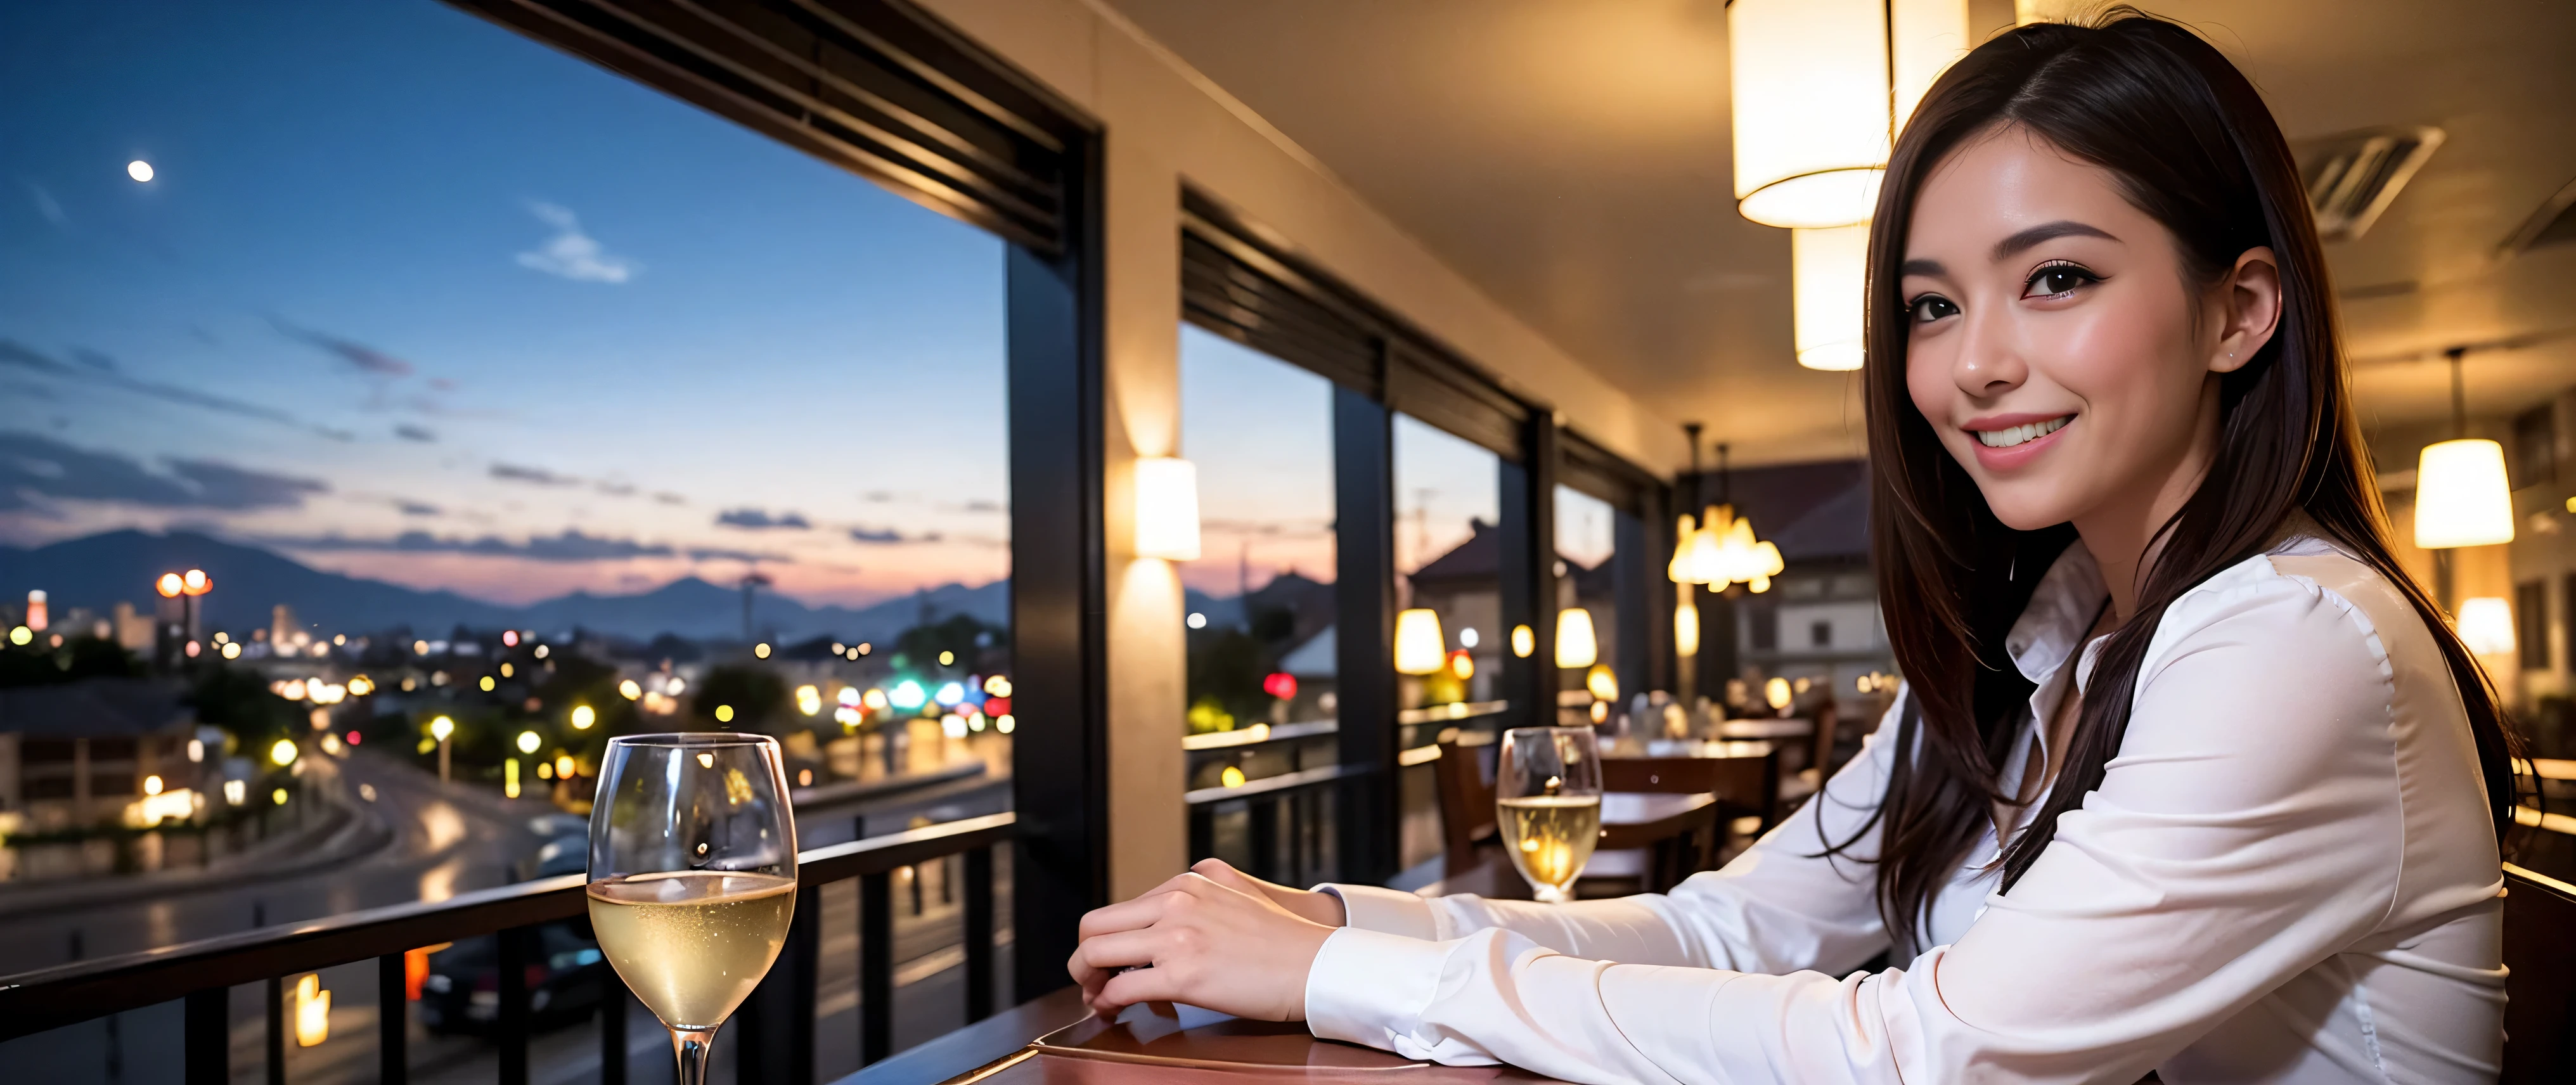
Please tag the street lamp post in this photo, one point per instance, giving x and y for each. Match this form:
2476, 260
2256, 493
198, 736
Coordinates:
185, 587
440, 729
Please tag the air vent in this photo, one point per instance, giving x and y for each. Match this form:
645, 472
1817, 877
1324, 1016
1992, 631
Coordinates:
2553, 224
2352, 177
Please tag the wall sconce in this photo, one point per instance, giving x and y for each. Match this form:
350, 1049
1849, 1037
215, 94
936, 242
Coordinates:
1167, 508
1523, 641
1418, 644
2486, 625
1575, 645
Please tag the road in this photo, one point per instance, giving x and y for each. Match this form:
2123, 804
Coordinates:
449, 839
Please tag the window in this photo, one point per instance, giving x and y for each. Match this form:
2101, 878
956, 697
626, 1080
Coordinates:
1260, 597
2535, 446
1820, 635
1448, 558
507, 387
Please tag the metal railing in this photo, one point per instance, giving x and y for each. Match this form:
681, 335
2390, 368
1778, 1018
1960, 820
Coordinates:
774, 1038
1296, 805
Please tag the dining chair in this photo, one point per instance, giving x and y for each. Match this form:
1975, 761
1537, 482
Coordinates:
2540, 980
1747, 786
1466, 806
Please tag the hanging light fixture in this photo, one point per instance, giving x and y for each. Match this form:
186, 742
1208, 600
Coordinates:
1418, 646
2486, 625
1721, 548
1575, 645
1828, 273
2462, 497
1820, 87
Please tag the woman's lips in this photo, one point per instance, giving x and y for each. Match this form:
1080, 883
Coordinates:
2005, 459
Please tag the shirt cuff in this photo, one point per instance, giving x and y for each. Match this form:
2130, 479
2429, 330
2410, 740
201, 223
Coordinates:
1387, 911
1368, 987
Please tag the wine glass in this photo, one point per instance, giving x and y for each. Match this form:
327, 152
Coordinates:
692, 876
1547, 797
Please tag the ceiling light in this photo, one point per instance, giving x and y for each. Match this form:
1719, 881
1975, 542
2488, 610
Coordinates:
1828, 273
2462, 497
1819, 88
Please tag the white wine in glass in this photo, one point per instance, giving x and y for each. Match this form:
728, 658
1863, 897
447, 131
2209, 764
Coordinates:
692, 876
1547, 798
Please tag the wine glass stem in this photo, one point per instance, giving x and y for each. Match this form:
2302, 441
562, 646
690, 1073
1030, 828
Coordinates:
692, 1047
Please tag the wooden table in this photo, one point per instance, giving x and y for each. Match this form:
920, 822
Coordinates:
1146, 1047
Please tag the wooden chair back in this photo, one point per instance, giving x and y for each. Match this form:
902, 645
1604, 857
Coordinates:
1466, 806
2540, 989
1746, 786
1820, 757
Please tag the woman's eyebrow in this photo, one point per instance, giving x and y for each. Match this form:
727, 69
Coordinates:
1919, 266
2046, 231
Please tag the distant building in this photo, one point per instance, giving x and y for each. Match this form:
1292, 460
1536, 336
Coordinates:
1464, 587
80, 753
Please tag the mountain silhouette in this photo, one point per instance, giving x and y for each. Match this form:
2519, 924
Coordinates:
98, 571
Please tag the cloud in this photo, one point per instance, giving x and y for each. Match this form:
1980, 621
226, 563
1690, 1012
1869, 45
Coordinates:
886, 536
34, 467
410, 432
986, 506
358, 356
21, 356
615, 489
571, 546
710, 553
761, 520
512, 472
668, 498
572, 254
47, 206
415, 508
95, 359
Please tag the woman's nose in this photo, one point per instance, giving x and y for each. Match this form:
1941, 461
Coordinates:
1989, 362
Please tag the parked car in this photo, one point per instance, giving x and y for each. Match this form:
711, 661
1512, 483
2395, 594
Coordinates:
566, 980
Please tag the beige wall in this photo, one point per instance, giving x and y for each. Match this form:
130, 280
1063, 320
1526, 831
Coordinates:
1167, 124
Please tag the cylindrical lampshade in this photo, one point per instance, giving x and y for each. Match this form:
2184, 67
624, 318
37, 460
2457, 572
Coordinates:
1827, 268
1686, 629
1167, 508
2461, 496
1418, 643
1810, 86
1575, 646
1926, 38
2486, 625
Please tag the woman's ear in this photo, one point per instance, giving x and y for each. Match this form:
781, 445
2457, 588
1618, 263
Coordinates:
2250, 301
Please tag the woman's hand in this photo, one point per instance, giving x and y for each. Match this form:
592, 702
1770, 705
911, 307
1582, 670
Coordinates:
1213, 938
1324, 908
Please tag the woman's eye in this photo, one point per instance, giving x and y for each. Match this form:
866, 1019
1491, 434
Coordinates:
2058, 280
1931, 307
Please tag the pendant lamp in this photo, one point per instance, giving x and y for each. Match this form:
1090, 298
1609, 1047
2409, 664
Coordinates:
1418, 645
1828, 273
2462, 496
1820, 87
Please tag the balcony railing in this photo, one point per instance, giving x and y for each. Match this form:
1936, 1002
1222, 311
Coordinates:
774, 1034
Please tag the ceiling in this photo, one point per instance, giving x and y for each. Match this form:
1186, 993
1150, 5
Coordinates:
1572, 159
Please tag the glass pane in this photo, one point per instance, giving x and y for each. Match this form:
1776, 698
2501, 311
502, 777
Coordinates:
1448, 560
490, 387
1586, 543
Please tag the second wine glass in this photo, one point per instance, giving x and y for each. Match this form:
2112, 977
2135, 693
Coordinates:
1547, 798
692, 876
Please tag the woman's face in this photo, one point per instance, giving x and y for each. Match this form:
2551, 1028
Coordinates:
2055, 341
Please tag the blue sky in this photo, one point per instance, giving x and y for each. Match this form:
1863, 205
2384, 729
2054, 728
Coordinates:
403, 271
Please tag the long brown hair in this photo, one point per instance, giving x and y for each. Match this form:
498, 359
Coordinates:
2191, 144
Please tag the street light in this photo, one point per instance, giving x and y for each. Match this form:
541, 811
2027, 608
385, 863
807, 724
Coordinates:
440, 729
185, 587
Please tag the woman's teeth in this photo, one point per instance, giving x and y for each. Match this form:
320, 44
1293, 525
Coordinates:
2006, 438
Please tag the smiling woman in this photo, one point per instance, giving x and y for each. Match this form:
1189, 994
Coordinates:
2187, 777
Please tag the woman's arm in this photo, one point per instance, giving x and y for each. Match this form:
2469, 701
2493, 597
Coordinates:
1779, 907
2248, 829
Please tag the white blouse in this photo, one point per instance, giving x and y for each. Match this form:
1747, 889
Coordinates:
2288, 874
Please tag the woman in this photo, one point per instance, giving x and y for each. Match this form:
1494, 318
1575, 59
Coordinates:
2190, 777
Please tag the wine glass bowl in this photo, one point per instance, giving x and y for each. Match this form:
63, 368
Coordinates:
692, 875
1547, 800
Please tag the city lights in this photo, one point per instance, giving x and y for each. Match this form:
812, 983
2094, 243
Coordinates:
141, 171
528, 741
487, 683
908, 695
20, 635
1005, 723
583, 716
543, 651
196, 582
361, 686
510, 778
277, 797
283, 752
876, 700
442, 727
849, 696
949, 694
953, 726
760, 650
1196, 620
997, 686
1231, 777
809, 700
947, 659
170, 586
629, 690
509, 638
507, 670
151, 785
312, 1010
565, 766
724, 713
196, 750
236, 792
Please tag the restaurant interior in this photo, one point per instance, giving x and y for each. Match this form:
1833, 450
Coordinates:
1523, 244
